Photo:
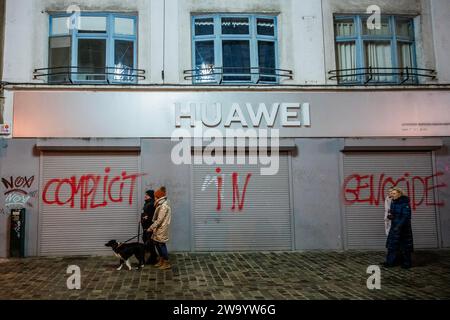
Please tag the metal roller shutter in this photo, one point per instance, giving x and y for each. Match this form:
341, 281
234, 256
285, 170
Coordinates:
265, 220
76, 231
364, 220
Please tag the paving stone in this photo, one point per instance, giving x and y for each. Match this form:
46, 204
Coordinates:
243, 276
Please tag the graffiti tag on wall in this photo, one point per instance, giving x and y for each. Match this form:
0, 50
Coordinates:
372, 188
17, 191
218, 181
92, 190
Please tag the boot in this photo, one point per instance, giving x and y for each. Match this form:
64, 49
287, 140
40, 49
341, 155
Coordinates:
159, 263
165, 265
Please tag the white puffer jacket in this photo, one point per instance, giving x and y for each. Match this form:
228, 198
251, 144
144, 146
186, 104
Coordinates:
161, 220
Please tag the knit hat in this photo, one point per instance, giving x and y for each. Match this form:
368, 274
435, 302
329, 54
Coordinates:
150, 193
161, 192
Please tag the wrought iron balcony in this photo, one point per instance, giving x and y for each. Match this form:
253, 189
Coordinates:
376, 75
94, 75
232, 75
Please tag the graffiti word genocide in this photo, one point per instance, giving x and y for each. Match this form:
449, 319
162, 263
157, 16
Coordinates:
93, 191
372, 188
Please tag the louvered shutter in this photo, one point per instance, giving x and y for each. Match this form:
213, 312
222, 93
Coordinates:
73, 231
264, 223
364, 221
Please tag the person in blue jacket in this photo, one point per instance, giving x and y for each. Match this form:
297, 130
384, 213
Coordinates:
400, 238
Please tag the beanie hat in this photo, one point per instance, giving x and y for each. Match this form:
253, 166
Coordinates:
161, 192
150, 193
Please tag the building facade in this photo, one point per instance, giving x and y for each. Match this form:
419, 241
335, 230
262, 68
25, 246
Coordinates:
99, 94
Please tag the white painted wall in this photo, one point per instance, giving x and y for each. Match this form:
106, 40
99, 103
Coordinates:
175, 50
441, 34
18, 65
27, 30
155, 41
308, 42
305, 31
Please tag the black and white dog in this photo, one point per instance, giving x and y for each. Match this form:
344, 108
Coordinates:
124, 251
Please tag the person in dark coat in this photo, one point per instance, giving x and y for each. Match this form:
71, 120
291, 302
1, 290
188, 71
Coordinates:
146, 221
400, 238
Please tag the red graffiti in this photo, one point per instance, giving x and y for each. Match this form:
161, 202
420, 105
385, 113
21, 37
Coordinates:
87, 187
236, 195
219, 190
371, 188
236, 191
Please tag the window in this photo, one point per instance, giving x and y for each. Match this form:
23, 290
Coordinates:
234, 49
381, 55
102, 48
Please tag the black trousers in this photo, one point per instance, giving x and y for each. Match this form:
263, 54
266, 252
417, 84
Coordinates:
399, 255
149, 245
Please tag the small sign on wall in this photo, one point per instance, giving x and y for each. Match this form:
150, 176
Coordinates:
5, 129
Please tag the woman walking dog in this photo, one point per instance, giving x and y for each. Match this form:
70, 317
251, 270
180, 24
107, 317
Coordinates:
160, 227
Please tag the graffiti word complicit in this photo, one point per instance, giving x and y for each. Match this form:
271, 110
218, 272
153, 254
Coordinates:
87, 187
364, 188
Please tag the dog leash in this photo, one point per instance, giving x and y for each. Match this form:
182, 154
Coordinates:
137, 236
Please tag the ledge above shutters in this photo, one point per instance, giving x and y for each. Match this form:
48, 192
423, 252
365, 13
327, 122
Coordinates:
404, 144
283, 144
94, 144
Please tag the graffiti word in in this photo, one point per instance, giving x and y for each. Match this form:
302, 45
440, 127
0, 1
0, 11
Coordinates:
365, 188
238, 198
63, 191
18, 184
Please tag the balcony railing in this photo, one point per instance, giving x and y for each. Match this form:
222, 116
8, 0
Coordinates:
376, 75
71, 75
222, 75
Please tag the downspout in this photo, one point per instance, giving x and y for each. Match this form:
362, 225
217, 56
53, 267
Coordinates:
2, 46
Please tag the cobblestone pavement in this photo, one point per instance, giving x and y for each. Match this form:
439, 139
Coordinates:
230, 276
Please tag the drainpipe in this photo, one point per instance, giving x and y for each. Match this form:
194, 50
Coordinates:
2, 41
2, 103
